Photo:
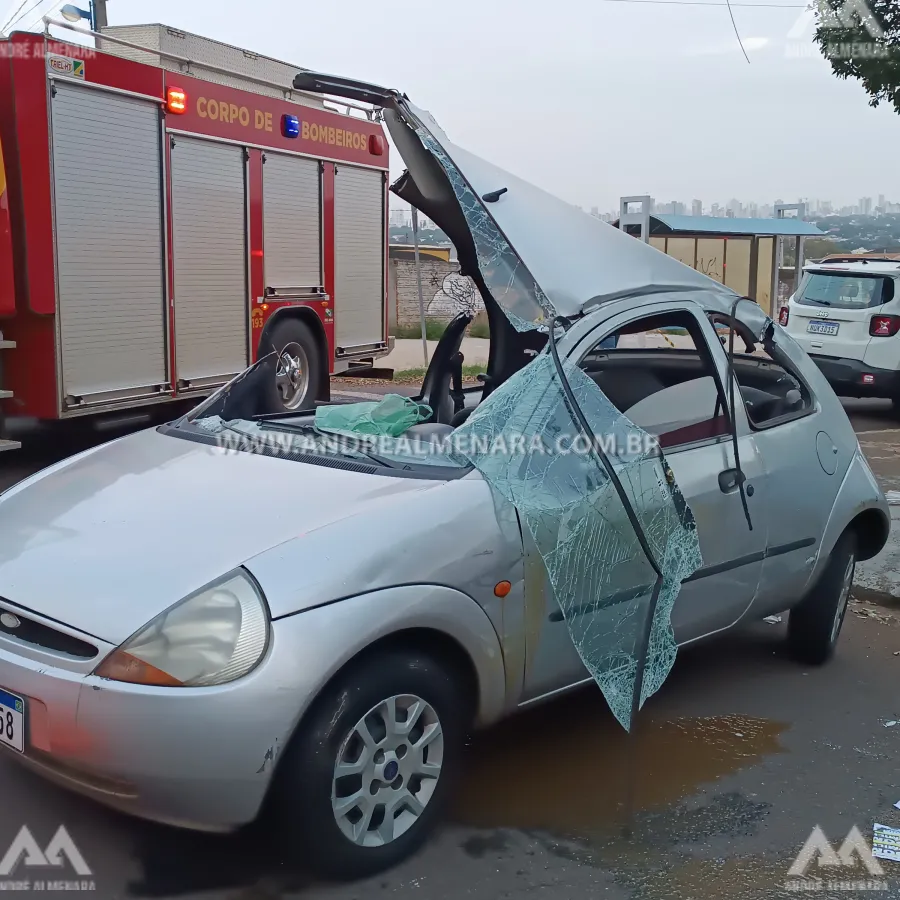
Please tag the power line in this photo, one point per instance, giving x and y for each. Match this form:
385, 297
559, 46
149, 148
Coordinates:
53, 9
714, 3
736, 32
18, 17
13, 16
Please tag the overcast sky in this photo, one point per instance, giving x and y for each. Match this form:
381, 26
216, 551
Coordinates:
592, 99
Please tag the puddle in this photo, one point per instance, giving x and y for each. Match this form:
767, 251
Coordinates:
746, 878
564, 769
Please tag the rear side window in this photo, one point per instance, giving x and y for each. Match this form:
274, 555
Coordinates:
841, 291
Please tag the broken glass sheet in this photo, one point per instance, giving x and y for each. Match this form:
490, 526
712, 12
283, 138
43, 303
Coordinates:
526, 306
527, 445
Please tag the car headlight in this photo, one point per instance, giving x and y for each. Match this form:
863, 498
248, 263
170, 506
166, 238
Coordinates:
211, 637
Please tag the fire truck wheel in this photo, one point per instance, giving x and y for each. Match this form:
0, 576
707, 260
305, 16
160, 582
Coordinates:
298, 371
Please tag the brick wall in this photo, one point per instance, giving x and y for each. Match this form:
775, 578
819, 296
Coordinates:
444, 290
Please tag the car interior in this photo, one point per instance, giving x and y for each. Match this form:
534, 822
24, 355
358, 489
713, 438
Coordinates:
672, 393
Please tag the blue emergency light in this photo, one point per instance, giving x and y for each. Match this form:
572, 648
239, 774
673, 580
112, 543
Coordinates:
290, 126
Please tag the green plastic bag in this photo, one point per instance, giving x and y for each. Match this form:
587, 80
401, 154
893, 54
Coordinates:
389, 417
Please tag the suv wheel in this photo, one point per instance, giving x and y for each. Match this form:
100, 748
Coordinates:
367, 775
815, 625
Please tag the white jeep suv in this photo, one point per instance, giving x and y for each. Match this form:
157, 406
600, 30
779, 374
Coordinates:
846, 315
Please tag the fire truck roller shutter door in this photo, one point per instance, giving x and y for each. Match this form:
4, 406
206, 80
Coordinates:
292, 221
358, 256
210, 259
108, 218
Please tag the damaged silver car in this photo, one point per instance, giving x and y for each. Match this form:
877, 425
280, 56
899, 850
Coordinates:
623, 482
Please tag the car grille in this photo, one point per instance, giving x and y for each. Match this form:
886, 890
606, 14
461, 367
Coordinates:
30, 631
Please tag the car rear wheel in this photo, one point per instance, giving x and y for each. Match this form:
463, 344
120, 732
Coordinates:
815, 625
367, 775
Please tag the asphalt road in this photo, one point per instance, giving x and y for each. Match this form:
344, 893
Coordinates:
739, 756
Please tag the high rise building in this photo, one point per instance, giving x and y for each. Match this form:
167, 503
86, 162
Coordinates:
697, 208
865, 206
595, 211
398, 218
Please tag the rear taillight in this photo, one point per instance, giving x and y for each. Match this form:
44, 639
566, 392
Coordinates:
884, 326
783, 315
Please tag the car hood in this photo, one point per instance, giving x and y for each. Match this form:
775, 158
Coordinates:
108, 539
500, 222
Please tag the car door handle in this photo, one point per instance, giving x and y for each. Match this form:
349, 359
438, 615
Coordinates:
731, 479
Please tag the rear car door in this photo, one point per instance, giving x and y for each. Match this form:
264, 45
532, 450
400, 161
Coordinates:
669, 383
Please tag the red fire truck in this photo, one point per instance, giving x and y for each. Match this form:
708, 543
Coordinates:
171, 209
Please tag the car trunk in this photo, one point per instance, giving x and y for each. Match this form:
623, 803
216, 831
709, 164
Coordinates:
832, 311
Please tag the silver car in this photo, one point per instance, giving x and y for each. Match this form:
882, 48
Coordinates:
234, 613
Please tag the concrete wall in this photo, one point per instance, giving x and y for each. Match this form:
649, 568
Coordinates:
444, 290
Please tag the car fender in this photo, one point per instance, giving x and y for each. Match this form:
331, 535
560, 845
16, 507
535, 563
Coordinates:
859, 492
328, 637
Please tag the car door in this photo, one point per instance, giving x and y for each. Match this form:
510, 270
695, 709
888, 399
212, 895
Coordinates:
671, 382
804, 467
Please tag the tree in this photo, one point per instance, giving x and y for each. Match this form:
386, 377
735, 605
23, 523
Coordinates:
861, 39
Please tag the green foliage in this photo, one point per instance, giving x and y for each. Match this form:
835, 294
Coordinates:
862, 48
434, 328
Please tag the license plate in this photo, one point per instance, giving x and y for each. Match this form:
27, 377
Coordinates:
12, 721
823, 327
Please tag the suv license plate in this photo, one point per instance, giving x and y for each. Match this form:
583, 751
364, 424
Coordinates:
12, 721
823, 327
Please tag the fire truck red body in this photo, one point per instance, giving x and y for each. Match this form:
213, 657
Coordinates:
156, 227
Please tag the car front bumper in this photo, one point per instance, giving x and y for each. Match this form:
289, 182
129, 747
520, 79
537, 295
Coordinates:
853, 378
195, 757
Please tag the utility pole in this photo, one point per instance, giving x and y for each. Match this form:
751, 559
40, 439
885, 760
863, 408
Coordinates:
98, 8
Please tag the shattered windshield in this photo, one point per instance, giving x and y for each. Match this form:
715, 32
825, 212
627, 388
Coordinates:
509, 281
601, 576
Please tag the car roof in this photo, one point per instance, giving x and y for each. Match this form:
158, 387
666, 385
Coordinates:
867, 268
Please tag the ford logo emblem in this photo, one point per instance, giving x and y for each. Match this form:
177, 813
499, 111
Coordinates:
8, 620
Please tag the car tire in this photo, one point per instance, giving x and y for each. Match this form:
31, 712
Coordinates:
298, 376
815, 625
309, 813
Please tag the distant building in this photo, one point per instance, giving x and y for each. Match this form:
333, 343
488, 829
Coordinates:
595, 212
865, 206
697, 208
399, 218
678, 208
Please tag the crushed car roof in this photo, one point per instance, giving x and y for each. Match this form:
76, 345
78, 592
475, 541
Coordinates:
573, 260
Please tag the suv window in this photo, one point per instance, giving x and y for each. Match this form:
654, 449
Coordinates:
845, 291
658, 371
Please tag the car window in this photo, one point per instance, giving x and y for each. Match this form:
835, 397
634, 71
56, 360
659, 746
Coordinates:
842, 291
658, 371
772, 393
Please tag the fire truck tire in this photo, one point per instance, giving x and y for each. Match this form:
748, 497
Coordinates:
298, 377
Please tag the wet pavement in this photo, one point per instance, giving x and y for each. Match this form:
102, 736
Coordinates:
733, 763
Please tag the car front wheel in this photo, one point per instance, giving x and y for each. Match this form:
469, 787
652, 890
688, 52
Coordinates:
367, 775
815, 625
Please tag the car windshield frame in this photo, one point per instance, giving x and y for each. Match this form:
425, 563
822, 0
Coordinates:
883, 289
